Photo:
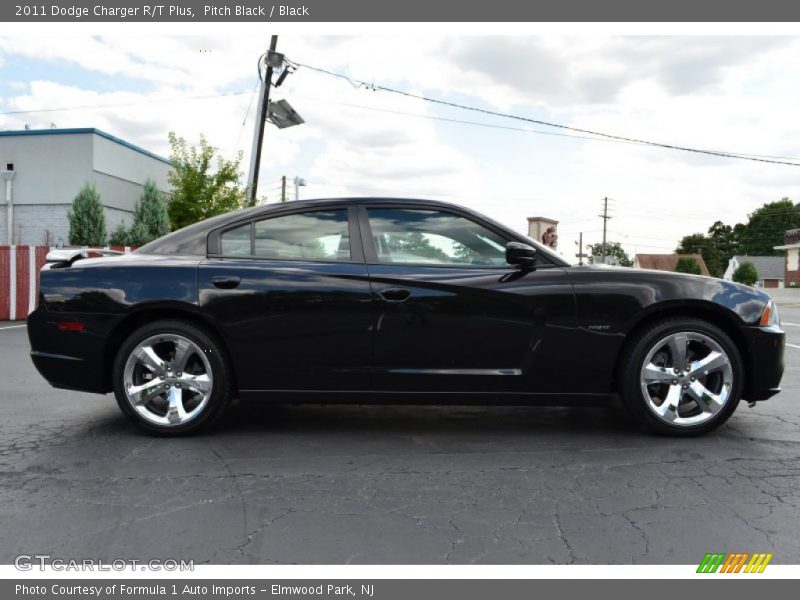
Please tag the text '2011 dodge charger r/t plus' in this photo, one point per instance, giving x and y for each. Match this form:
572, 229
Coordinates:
394, 301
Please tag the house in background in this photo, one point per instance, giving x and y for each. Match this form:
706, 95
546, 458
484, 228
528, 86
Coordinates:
609, 260
770, 269
666, 262
46, 168
791, 269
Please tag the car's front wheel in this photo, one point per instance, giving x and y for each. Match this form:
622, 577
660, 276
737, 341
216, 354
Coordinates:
682, 377
172, 378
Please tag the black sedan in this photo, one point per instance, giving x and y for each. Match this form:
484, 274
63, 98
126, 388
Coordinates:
394, 301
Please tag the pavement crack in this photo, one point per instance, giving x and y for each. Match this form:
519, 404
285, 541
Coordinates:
563, 538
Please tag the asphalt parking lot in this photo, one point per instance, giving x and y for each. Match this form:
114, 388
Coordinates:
392, 485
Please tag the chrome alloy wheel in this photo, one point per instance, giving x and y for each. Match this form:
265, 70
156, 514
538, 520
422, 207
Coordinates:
686, 378
167, 379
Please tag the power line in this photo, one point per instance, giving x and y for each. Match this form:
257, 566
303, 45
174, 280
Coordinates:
466, 122
710, 215
376, 87
510, 128
121, 104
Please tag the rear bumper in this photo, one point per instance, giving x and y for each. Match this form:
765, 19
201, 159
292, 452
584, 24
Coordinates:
72, 360
766, 348
67, 372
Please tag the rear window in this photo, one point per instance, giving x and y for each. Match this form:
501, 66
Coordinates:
192, 239
313, 235
236, 241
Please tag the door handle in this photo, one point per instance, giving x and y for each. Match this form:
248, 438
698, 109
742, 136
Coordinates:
395, 294
226, 282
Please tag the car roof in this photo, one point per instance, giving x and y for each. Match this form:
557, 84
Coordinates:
188, 239
361, 200
192, 239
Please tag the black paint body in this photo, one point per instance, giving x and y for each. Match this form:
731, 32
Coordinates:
324, 331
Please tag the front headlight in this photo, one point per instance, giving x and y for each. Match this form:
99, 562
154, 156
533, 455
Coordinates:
770, 316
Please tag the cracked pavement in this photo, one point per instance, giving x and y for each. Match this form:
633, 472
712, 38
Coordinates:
413, 485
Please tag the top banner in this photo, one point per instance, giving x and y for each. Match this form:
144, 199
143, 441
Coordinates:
333, 11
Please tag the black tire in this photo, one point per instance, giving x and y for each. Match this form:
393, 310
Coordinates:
221, 376
630, 375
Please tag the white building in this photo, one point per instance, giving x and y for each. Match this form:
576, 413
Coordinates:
770, 269
48, 167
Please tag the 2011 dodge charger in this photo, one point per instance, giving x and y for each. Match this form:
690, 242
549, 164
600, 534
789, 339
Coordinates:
398, 301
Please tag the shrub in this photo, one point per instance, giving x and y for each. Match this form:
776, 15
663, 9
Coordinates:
746, 273
119, 237
87, 222
138, 235
150, 219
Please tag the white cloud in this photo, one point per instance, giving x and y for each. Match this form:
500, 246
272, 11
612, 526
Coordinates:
727, 93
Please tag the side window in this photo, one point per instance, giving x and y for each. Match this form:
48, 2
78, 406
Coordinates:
236, 242
321, 235
423, 236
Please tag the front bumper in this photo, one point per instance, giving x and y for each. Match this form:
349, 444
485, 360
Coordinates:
766, 347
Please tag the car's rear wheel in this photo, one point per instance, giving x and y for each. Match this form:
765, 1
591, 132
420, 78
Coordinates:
682, 377
172, 378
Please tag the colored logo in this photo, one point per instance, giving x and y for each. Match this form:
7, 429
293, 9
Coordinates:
738, 562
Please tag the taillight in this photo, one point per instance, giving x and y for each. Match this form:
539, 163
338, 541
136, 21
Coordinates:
71, 326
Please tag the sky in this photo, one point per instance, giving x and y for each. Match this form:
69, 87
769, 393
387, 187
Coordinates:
726, 93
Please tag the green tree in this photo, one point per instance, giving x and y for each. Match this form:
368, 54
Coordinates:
767, 226
198, 190
739, 233
687, 264
613, 250
698, 243
119, 237
138, 235
746, 273
87, 221
150, 219
726, 240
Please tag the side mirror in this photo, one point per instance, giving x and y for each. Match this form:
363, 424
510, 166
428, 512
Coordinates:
522, 255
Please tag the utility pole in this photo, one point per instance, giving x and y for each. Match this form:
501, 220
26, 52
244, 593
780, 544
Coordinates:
605, 218
261, 118
283, 188
580, 253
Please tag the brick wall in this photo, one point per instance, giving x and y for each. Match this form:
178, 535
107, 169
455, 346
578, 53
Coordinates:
19, 280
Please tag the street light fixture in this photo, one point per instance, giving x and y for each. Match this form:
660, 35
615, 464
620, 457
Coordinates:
282, 115
298, 182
